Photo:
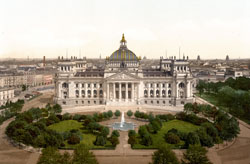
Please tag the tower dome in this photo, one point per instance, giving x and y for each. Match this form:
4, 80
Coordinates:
123, 53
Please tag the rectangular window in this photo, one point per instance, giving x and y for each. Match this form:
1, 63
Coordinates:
77, 85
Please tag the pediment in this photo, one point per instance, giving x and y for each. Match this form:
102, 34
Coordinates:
123, 76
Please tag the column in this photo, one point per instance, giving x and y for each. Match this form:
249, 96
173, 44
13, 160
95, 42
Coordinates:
138, 95
85, 89
120, 91
114, 96
148, 90
107, 91
154, 90
126, 92
160, 90
132, 91
92, 90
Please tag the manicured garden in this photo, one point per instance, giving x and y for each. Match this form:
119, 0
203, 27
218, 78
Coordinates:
198, 125
158, 138
47, 127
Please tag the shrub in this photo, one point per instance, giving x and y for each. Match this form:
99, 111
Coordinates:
110, 113
66, 116
117, 113
192, 139
132, 140
147, 140
114, 140
171, 138
131, 133
100, 141
129, 113
115, 133
74, 139
77, 117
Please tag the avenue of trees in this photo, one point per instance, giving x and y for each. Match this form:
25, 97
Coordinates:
234, 94
10, 109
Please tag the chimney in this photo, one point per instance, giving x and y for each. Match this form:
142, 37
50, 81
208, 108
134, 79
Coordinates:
43, 61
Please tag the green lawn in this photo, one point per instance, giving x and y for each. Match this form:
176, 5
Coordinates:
88, 138
158, 139
66, 125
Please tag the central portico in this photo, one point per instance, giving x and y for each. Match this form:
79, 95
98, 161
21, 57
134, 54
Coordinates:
122, 89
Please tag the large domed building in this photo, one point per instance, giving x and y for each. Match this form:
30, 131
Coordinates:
123, 81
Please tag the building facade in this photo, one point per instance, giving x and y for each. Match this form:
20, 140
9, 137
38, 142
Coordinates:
6, 95
123, 81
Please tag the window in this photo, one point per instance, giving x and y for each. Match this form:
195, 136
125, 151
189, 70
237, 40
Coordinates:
157, 85
94, 85
146, 102
77, 85
152, 102
82, 102
64, 102
89, 85
100, 102
157, 102
94, 102
182, 102
82, 85
169, 85
164, 102
151, 85
100, 85
76, 102
88, 102
163, 85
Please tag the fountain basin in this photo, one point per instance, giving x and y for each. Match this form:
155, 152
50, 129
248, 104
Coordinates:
125, 126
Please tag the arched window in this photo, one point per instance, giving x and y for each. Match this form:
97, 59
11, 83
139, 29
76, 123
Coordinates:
181, 85
145, 93
169, 93
101, 93
89, 93
95, 93
163, 93
64, 85
83, 93
157, 93
77, 93
151, 93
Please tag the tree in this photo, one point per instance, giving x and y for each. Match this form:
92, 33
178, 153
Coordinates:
100, 141
24, 87
57, 108
82, 155
196, 155
115, 133
117, 113
192, 139
147, 140
201, 86
171, 138
188, 107
50, 155
110, 113
129, 113
105, 131
132, 140
114, 140
164, 155
74, 139
131, 133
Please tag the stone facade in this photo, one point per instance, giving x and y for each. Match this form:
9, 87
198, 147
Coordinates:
123, 81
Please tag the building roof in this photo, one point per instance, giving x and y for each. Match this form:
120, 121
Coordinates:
123, 53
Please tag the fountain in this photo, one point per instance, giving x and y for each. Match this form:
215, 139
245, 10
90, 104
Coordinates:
124, 126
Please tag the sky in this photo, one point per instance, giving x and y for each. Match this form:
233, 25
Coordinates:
152, 28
